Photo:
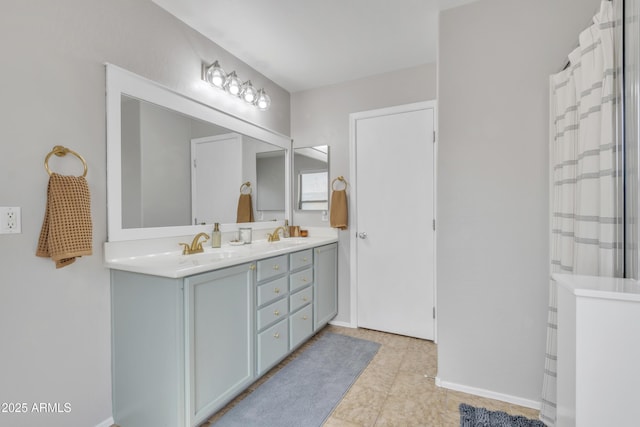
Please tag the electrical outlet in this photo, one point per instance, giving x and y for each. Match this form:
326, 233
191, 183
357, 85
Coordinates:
10, 222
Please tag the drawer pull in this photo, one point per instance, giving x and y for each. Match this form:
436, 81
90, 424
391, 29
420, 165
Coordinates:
304, 259
304, 317
276, 290
276, 313
304, 279
304, 299
276, 267
276, 335
252, 267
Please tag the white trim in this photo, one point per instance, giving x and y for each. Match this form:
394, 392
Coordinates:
120, 81
436, 135
527, 403
353, 276
343, 324
107, 423
353, 118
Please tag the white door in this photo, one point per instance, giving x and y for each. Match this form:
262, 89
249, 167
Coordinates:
393, 176
214, 160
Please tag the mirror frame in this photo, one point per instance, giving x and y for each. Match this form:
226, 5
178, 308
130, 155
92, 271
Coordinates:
122, 82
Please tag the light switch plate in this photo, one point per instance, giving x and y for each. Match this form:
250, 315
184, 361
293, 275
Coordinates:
10, 220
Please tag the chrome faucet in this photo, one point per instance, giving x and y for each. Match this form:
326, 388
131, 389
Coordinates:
275, 236
196, 245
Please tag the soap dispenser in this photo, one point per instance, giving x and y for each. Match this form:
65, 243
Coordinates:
285, 232
216, 236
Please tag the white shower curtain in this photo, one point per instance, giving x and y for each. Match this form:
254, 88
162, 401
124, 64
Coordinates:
583, 151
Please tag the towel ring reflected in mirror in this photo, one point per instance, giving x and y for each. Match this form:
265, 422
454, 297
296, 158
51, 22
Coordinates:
341, 179
245, 188
61, 151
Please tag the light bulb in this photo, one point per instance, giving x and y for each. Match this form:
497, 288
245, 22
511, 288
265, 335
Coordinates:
249, 93
264, 101
216, 75
233, 85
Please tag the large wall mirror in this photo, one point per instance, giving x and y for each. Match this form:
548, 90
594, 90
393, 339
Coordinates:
176, 166
311, 178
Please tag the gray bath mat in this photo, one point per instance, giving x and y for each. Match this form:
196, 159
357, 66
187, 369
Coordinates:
471, 416
306, 390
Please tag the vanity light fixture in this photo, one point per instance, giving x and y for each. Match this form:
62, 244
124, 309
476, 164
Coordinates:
263, 102
231, 83
249, 93
215, 75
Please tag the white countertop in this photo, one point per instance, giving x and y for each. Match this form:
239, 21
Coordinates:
600, 287
163, 257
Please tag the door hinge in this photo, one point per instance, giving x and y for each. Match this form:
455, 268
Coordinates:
434, 225
434, 312
195, 163
434, 136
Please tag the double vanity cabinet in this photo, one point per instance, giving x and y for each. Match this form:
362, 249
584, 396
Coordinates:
183, 347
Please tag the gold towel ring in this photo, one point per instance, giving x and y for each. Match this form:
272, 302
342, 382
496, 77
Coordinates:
340, 178
246, 185
60, 151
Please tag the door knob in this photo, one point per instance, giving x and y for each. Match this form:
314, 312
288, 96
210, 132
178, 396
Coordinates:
362, 235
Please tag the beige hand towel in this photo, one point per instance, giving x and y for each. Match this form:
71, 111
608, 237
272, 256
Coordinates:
245, 210
339, 211
67, 229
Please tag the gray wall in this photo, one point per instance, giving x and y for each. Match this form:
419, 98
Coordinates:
55, 324
321, 117
495, 57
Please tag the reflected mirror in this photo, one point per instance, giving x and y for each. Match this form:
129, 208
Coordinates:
176, 165
311, 178
270, 181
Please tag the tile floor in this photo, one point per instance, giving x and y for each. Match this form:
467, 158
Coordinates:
396, 389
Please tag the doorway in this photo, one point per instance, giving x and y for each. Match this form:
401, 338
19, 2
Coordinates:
210, 201
392, 205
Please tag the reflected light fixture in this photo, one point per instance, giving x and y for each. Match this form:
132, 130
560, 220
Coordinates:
231, 83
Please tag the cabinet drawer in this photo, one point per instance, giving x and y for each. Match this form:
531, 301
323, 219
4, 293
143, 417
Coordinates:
301, 298
300, 326
300, 279
271, 290
273, 312
272, 267
301, 259
273, 345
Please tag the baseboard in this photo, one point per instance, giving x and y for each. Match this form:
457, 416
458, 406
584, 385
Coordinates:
343, 324
107, 423
489, 394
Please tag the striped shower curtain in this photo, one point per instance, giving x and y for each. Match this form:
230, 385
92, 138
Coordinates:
584, 207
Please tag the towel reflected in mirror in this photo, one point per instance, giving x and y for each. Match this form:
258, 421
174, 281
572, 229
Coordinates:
245, 209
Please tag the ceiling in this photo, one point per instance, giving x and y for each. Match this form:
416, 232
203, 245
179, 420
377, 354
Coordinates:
304, 44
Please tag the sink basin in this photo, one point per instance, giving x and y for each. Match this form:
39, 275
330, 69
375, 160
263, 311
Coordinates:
286, 242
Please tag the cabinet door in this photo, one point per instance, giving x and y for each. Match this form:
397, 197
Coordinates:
300, 326
219, 310
273, 344
325, 298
